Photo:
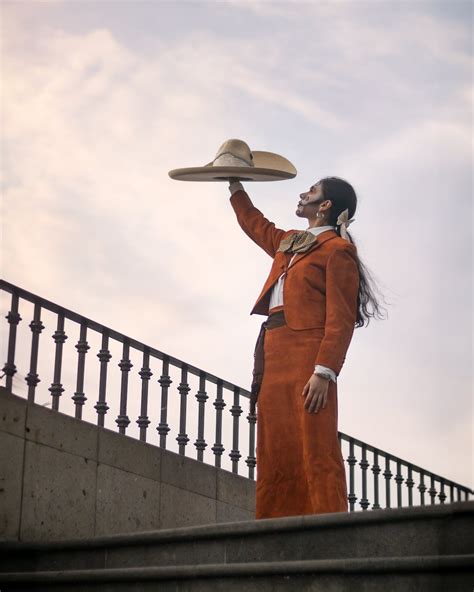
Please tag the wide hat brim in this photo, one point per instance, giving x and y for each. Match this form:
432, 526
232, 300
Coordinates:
268, 167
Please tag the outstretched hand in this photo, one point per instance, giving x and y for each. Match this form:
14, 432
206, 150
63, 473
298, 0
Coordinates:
235, 185
316, 393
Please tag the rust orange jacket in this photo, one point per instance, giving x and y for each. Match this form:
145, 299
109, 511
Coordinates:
321, 285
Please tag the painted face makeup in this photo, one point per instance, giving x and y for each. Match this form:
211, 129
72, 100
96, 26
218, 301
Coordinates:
311, 196
306, 199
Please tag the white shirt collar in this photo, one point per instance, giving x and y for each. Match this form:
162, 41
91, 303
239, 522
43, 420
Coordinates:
319, 229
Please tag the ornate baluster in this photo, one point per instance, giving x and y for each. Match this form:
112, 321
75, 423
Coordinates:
410, 484
202, 397
351, 460
183, 389
236, 411
125, 365
432, 491
82, 347
56, 388
376, 470
451, 493
219, 404
251, 460
32, 378
399, 481
9, 369
104, 356
442, 495
422, 488
145, 375
388, 475
165, 382
364, 464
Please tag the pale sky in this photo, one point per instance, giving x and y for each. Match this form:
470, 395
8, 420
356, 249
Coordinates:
102, 99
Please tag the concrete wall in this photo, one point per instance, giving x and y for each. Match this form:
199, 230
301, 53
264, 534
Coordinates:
61, 477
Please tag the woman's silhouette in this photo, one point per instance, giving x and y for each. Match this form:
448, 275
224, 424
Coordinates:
317, 292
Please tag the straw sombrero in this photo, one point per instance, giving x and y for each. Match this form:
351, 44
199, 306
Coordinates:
235, 160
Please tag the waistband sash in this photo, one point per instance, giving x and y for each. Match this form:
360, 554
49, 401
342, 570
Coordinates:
274, 320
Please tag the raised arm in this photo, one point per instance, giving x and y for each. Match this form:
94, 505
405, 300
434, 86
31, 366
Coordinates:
253, 222
342, 287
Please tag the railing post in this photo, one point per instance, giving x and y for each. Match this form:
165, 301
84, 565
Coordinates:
104, 356
165, 382
235, 410
410, 484
56, 388
219, 404
422, 488
376, 471
451, 493
442, 495
32, 378
399, 481
251, 460
125, 365
145, 375
364, 465
201, 397
183, 390
351, 460
388, 475
82, 348
432, 490
13, 318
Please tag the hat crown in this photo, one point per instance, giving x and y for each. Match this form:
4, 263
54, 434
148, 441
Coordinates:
238, 149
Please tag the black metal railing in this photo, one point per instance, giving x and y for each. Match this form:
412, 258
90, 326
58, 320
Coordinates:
147, 353
175, 405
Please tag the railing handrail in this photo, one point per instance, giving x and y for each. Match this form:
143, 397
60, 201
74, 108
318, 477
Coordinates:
138, 345
404, 463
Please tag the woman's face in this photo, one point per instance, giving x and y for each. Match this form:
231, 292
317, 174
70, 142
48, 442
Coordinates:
306, 206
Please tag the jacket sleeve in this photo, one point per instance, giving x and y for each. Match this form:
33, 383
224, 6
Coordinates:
342, 287
254, 223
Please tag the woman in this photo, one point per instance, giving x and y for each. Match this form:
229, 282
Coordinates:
316, 293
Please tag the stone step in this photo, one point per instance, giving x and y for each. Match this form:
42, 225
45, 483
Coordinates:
451, 573
431, 531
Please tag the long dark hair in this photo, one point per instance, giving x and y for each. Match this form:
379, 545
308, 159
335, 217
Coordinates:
342, 196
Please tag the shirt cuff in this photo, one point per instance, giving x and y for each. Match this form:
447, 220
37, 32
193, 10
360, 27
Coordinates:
235, 186
325, 369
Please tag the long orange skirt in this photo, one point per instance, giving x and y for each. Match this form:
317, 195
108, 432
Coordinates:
300, 469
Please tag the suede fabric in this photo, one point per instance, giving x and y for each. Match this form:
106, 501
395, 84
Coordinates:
300, 469
321, 285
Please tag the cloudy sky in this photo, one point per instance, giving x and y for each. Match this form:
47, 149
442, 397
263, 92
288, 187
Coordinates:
102, 99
